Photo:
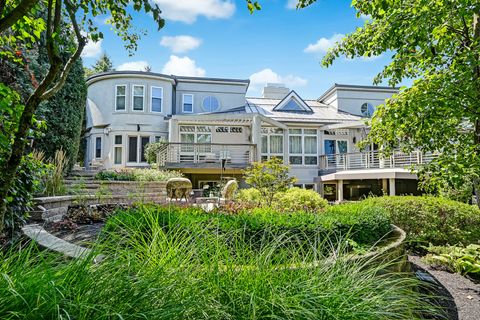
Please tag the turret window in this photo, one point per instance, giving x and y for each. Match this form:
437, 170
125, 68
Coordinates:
138, 97
120, 97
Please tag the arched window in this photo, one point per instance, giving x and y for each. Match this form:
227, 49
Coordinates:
210, 104
367, 109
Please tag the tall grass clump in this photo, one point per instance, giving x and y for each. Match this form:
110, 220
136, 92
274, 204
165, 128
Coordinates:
52, 178
153, 273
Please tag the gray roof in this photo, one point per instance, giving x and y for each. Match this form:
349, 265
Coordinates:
355, 86
172, 77
322, 113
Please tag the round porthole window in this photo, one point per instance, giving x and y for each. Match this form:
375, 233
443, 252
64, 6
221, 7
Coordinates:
210, 104
367, 109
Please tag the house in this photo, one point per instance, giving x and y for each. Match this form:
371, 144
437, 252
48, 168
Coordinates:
214, 131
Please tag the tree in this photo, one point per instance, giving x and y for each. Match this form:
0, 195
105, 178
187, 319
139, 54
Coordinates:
63, 116
17, 18
269, 177
438, 44
103, 64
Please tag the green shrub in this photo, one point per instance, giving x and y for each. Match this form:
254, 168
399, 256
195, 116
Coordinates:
432, 220
152, 150
156, 278
250, 196
463, 260
297, 199
363, 224
137, 175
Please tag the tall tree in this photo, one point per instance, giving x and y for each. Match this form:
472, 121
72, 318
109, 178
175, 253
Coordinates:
103, 64
17, 17
436, 42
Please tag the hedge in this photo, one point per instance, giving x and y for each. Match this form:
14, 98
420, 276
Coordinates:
432, 220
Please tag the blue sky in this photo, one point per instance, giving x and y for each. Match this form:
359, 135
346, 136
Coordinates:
219, 38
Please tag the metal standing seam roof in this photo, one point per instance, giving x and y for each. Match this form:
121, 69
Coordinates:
322, 113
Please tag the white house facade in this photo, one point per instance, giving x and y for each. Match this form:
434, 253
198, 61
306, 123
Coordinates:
215, 131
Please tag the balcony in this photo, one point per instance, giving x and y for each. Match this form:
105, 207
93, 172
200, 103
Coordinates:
178, 155
373, 160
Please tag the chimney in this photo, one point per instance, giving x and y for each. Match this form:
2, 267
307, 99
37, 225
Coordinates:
275, 91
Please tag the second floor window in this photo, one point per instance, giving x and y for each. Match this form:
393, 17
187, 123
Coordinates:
120, 96
157, 96
138, 94
187, 103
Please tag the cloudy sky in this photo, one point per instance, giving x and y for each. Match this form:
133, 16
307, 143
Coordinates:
219, 38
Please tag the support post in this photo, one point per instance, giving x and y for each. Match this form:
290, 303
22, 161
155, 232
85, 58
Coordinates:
385, 186
257, 136
392, 186
340, 190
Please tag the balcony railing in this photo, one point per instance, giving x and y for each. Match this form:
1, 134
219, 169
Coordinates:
373, 160
183, 155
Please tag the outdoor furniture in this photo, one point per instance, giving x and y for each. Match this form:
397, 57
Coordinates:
179, 188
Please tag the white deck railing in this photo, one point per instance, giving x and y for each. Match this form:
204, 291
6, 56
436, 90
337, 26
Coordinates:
196, 154
374, 160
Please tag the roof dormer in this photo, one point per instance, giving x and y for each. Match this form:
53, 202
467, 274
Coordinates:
292, 103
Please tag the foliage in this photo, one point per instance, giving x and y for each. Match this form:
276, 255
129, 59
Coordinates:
438, 44
289, 201
297, 199
20, 194
137, 175
432, 220
269, 177
103, 64
364, 224
30, 25
464, 260
152, 149
250, 196
154, 277
63, 115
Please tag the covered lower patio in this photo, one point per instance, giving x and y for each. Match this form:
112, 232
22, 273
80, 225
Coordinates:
351, 185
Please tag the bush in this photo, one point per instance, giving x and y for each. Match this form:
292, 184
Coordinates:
463, 260
250, 197
20, 195
361, 223
137, 175
296, 199
432, 220
152, 150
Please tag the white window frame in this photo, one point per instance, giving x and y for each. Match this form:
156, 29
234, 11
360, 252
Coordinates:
183, 102
125, 96
118, 145
95, 147
268, 132
151, 99
303, 154
133, 97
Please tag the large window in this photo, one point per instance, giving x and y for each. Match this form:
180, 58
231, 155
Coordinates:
187, 103
136, 148
98, 147
157, 99
333, 147
272, 143
303, 146
138, 93
118, 149
120, 97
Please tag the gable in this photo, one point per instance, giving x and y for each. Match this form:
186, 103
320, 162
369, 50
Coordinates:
292, 103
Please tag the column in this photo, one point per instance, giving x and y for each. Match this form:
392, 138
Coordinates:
385, 186
392, 186
286, 160
173, 135
257, 136
340, 190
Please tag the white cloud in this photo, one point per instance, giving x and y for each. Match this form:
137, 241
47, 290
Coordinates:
182, 67
259, 79
323, 44
91, 49
179, 44
365, 16
133, 66
189, 10
292, 4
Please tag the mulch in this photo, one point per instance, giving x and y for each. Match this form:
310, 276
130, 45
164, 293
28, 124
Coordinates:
464, 294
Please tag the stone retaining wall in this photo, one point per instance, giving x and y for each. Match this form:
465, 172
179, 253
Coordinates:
54, 208
115, 187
